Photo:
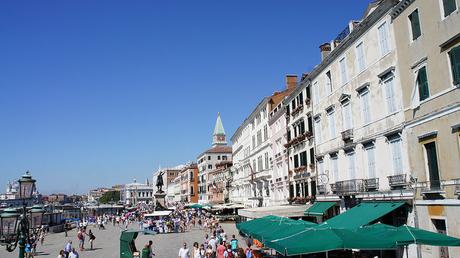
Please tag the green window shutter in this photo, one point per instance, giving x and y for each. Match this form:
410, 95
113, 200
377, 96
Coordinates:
415, 25
455, 64
422, 82
449, 6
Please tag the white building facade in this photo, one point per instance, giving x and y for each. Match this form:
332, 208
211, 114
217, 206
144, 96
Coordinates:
137, 193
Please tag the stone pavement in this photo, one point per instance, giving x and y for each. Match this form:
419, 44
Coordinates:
107, 242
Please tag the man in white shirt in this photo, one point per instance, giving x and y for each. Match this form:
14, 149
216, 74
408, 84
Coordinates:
213, 243
183, 252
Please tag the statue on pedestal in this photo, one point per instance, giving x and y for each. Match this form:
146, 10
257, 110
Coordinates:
160, 182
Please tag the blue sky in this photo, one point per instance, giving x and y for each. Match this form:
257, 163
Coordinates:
96, 93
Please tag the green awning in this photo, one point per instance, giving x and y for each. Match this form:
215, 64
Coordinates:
317, 239
405, 235
271, 227
319, 208
362, 214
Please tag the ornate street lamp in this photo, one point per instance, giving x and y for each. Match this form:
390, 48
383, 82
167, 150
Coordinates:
15, 227
36, 217
8, 224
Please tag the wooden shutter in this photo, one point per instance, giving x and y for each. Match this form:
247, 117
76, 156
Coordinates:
455, 64
415, 25
422, 82
449, 7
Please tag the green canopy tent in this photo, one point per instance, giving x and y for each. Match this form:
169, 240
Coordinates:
405, 235
319, 208
270, 227
322, 239
194, 206
362, 214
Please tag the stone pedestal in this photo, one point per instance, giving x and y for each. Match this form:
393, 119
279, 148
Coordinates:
160, 200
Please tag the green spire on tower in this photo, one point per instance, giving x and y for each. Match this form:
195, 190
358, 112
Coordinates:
219, 133
219, 128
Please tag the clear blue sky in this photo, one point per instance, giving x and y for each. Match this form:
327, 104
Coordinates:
96, 93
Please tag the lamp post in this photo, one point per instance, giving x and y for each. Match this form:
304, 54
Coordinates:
15, 227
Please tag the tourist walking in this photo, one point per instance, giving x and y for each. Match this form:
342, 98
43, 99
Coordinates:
61, 254
151, 253
81, 239
68, 248
92, 237
221, 250
234, 243
184, 252
73, 254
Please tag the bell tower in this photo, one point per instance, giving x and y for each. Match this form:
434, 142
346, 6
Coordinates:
219, 133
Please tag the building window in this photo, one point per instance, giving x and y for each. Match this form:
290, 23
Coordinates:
259, 163
388, 84
209, 166
259, 137
331, 122
315, 92
209, 157
384, 39
396, 153
432, 164
343, 70
191, 191
370, 155
328, 82
224, 157
254, 168
266, 160
415, 24
449, 6
351, 164
365, 108
303, 158
296, 161
312, 156
218, 157
360, 57
454, 55
320, 166
253, 142
265, 132
422, 84
346, 115
318, 129
335, 167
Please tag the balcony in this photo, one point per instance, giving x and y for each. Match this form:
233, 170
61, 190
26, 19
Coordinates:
300, 169
321, 189
397, 181
347, 135
457, 186
349, 186
300, 138
371, 184
431, 188
297, 110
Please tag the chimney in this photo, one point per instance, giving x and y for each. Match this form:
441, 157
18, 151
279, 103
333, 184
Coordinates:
325, 49
291, 81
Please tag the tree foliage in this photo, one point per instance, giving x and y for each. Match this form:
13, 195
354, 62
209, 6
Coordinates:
110, 196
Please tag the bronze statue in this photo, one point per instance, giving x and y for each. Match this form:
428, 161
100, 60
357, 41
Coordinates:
160, 181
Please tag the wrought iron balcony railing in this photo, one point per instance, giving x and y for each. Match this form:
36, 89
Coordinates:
397, 181
371, 184
349, 186
347, 135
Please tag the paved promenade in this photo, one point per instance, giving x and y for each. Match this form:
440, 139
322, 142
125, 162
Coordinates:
107, 242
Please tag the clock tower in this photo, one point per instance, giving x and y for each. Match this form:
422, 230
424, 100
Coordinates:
219, 133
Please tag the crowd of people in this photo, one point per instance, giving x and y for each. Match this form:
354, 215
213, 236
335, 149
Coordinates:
215, 244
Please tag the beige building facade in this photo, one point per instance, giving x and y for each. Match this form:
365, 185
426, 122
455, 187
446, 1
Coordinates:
428, 44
